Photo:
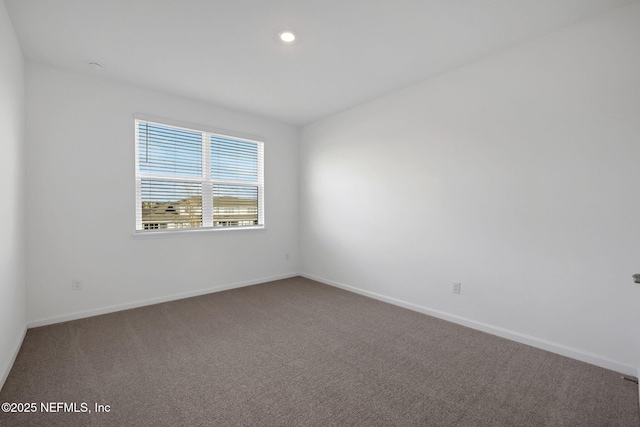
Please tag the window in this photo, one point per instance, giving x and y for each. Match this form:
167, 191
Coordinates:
194, 179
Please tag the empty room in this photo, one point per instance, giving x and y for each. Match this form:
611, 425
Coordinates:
312, 213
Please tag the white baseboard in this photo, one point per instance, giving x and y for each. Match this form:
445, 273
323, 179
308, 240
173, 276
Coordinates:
150, 301
16, 350
574, 353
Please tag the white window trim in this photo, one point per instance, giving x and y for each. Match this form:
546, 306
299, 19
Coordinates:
207, 211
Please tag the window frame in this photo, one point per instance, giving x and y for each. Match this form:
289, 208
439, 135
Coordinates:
205, 179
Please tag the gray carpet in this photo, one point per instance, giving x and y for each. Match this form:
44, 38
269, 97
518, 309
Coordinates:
296, 352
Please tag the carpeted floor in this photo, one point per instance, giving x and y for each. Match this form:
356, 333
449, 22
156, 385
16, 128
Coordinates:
299, 353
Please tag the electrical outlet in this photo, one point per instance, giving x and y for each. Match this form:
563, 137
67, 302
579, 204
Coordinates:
76, 285
455, 287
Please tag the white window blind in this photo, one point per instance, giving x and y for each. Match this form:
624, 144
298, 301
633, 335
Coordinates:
188, 178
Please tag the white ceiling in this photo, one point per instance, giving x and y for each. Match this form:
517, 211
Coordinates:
226, 52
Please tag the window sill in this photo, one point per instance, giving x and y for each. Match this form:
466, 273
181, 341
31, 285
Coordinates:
190, 232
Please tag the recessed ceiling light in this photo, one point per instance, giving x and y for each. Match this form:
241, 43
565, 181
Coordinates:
287, 36
96, 65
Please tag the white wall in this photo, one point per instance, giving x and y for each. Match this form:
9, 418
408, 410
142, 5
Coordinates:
81, 202
12, 253
518, 175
